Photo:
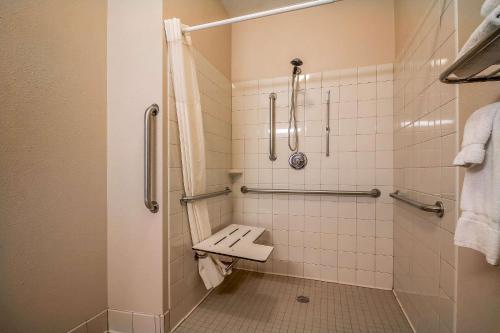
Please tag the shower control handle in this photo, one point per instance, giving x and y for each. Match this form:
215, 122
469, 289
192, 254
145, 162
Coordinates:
151, 112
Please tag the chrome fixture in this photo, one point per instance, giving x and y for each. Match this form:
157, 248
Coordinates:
437, 208
297, 160
230, 265
296, 62
184, 200
375, 193
272, 126
302, 299
328, 125
199, 255
478, 64
292, 117
151, 112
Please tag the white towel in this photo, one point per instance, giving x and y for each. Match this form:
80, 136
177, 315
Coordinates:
477, 132
478, 227
489, 24
488, 6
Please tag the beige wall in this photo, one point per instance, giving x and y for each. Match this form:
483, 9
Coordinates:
341, 35
53, 164
478, 302
214, 44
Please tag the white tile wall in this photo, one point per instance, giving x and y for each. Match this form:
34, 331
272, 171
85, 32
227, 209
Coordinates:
329, 238
186, 288
425, 142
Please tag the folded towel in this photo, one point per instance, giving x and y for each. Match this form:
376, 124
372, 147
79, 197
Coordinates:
488, 7
478, 227
477, 132
489, 24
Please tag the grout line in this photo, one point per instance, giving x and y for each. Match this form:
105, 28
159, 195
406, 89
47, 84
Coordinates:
318, 279
191, 311
91, 319
404, 312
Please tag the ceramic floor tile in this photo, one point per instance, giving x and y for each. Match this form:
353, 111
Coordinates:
255, 302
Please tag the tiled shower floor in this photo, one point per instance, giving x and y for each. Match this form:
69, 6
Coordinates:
255, 302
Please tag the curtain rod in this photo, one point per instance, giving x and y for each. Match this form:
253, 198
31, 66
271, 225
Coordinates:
259, 15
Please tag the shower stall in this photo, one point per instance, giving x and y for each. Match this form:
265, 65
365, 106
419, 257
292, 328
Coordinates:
235, 166
324, 206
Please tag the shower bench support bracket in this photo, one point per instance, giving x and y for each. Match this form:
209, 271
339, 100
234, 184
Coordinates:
236, 241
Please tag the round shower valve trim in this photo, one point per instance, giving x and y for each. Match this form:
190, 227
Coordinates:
297, 160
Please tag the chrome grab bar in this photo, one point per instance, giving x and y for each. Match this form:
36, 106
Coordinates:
437, 208
375, 193
184, 200
272, 126
150, 113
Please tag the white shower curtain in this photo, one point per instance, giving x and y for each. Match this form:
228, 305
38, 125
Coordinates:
187, 101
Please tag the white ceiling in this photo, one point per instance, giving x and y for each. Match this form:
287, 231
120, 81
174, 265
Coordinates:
241, 7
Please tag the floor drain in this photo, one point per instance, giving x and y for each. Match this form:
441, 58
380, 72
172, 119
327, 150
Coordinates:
302, 299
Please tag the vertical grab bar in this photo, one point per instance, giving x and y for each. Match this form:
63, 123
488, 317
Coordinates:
328, 125
151, 112
272, 126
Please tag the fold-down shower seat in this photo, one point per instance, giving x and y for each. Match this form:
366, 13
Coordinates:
236, 241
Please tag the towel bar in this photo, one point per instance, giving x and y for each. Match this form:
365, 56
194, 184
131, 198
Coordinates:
472, 64
437, 208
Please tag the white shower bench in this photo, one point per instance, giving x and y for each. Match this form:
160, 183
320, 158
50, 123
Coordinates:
236, 241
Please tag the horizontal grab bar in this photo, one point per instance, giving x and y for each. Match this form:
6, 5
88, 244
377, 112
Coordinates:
185, 199
375, 193
437, 208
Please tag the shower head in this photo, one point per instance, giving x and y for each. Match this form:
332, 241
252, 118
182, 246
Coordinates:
296, 62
